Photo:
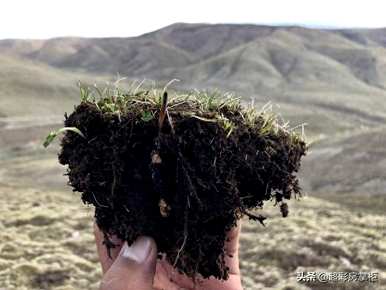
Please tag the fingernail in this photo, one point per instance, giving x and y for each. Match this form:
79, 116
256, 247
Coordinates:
138, 251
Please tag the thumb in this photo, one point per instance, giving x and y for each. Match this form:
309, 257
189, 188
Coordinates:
134, 268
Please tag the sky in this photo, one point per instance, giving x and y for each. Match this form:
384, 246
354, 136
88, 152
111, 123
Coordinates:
100, 18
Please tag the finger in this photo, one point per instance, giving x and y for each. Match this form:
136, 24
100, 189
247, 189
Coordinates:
232, 283
104, 258
231, 248
134, 268
165, 271
163, 281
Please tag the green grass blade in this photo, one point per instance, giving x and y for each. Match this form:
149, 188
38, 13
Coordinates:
52, 135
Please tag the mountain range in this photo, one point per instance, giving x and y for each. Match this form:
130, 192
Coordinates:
332, 79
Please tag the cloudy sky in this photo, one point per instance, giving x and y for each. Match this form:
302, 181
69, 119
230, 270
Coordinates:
100, 18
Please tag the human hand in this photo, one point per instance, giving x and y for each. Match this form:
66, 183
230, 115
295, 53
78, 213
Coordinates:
137, 268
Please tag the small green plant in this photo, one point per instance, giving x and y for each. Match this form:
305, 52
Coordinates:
229, 126
52, 135
85, 93
147, 116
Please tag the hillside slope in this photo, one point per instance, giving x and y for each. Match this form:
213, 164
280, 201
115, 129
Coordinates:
349, 164
30, 88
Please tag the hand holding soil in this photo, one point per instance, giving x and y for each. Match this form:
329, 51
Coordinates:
181, 170
137, 267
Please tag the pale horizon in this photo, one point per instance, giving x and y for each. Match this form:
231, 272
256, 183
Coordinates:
43, 19
314, 26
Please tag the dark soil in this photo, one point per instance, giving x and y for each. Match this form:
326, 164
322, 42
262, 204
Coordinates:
185, 185
49, 279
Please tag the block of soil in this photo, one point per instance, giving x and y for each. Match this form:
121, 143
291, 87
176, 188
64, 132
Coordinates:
182, 169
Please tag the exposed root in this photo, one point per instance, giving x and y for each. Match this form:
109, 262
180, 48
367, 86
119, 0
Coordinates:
256, 217
185, 233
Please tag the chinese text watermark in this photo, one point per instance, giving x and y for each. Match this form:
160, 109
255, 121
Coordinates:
339, 277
